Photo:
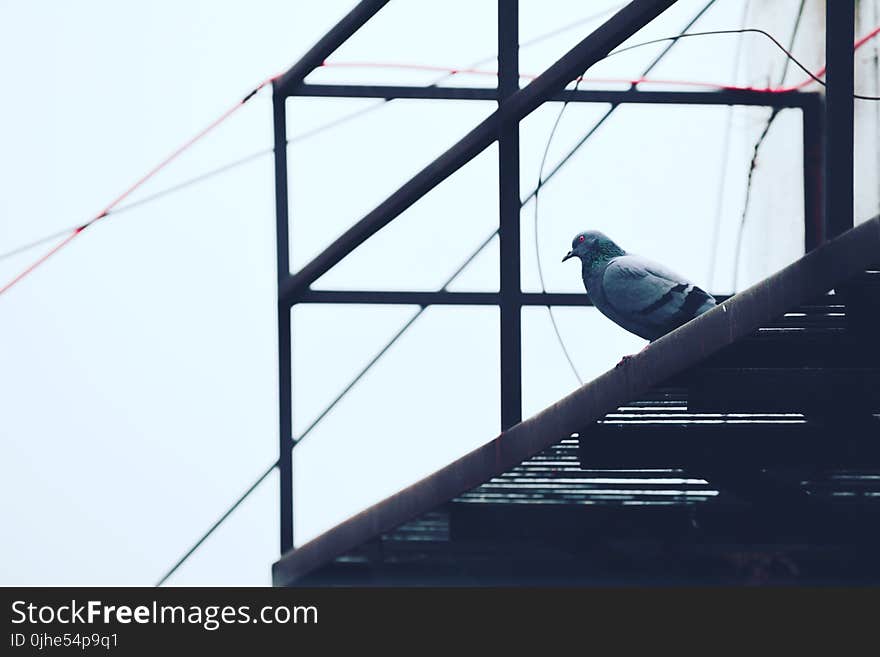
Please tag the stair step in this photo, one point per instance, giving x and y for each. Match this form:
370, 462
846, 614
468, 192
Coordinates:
811, 390
736, 441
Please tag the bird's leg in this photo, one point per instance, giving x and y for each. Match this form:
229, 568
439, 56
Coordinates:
628, 356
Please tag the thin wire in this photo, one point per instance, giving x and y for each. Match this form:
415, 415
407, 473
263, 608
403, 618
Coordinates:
725, 158
553, 321
43, 258
794, 33
858, 44
752, 165
326, 410
583, 140
451, 72
813, 77
219, 522
38, 242
332, 124
569, 154
876, 89
393, 340
76, 232
742, 30
247, 159
305, 135
754, 30
737, 253
571, 26
532, 76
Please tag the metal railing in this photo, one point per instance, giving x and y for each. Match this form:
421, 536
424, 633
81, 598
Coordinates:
502, 126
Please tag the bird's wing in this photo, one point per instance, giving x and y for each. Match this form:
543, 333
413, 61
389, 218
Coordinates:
648, 293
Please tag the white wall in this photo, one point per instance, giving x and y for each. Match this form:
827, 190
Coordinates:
774, 226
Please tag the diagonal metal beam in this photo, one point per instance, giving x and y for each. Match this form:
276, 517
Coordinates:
327, 44
819, 270
594, 47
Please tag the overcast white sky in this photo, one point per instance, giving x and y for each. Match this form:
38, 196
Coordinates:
138, 386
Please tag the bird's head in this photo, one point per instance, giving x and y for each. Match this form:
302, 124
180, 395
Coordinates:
592, 245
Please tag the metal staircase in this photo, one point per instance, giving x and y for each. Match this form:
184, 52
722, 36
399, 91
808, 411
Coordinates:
760, 465
739, 447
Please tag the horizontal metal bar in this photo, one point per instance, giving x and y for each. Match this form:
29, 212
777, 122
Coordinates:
444, 298
710, 97
627, 96
440, 298
415, 298
389, 92
587, 52
825, 267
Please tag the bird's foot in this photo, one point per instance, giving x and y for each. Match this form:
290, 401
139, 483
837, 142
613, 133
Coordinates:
626, 358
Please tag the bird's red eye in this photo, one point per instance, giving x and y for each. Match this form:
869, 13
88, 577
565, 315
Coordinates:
581, 238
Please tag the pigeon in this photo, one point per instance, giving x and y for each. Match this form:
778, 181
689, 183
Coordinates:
635, 293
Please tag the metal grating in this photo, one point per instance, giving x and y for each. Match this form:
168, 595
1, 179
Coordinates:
813, 335
689, 482
555, 477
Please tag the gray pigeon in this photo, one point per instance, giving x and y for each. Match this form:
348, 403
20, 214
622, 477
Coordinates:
642, 296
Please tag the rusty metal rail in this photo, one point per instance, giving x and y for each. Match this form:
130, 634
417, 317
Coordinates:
808, 277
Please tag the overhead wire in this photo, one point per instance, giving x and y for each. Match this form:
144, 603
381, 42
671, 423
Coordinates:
455, 71
229, 511
813, 77
725, 160
753, 163
360, 112
206, 175
583, 140
326, 410
78, 230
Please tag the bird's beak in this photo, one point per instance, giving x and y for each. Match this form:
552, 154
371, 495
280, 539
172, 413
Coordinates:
567, 256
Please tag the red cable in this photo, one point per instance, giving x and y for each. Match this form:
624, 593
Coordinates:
67, 240
422, 67
525, 76
530, 76
152, 172
858, 44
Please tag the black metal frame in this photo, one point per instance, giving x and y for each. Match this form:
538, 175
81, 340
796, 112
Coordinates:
503, 126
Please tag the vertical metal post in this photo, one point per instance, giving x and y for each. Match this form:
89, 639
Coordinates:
814, 208
509, 218
285, 399
840, 85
